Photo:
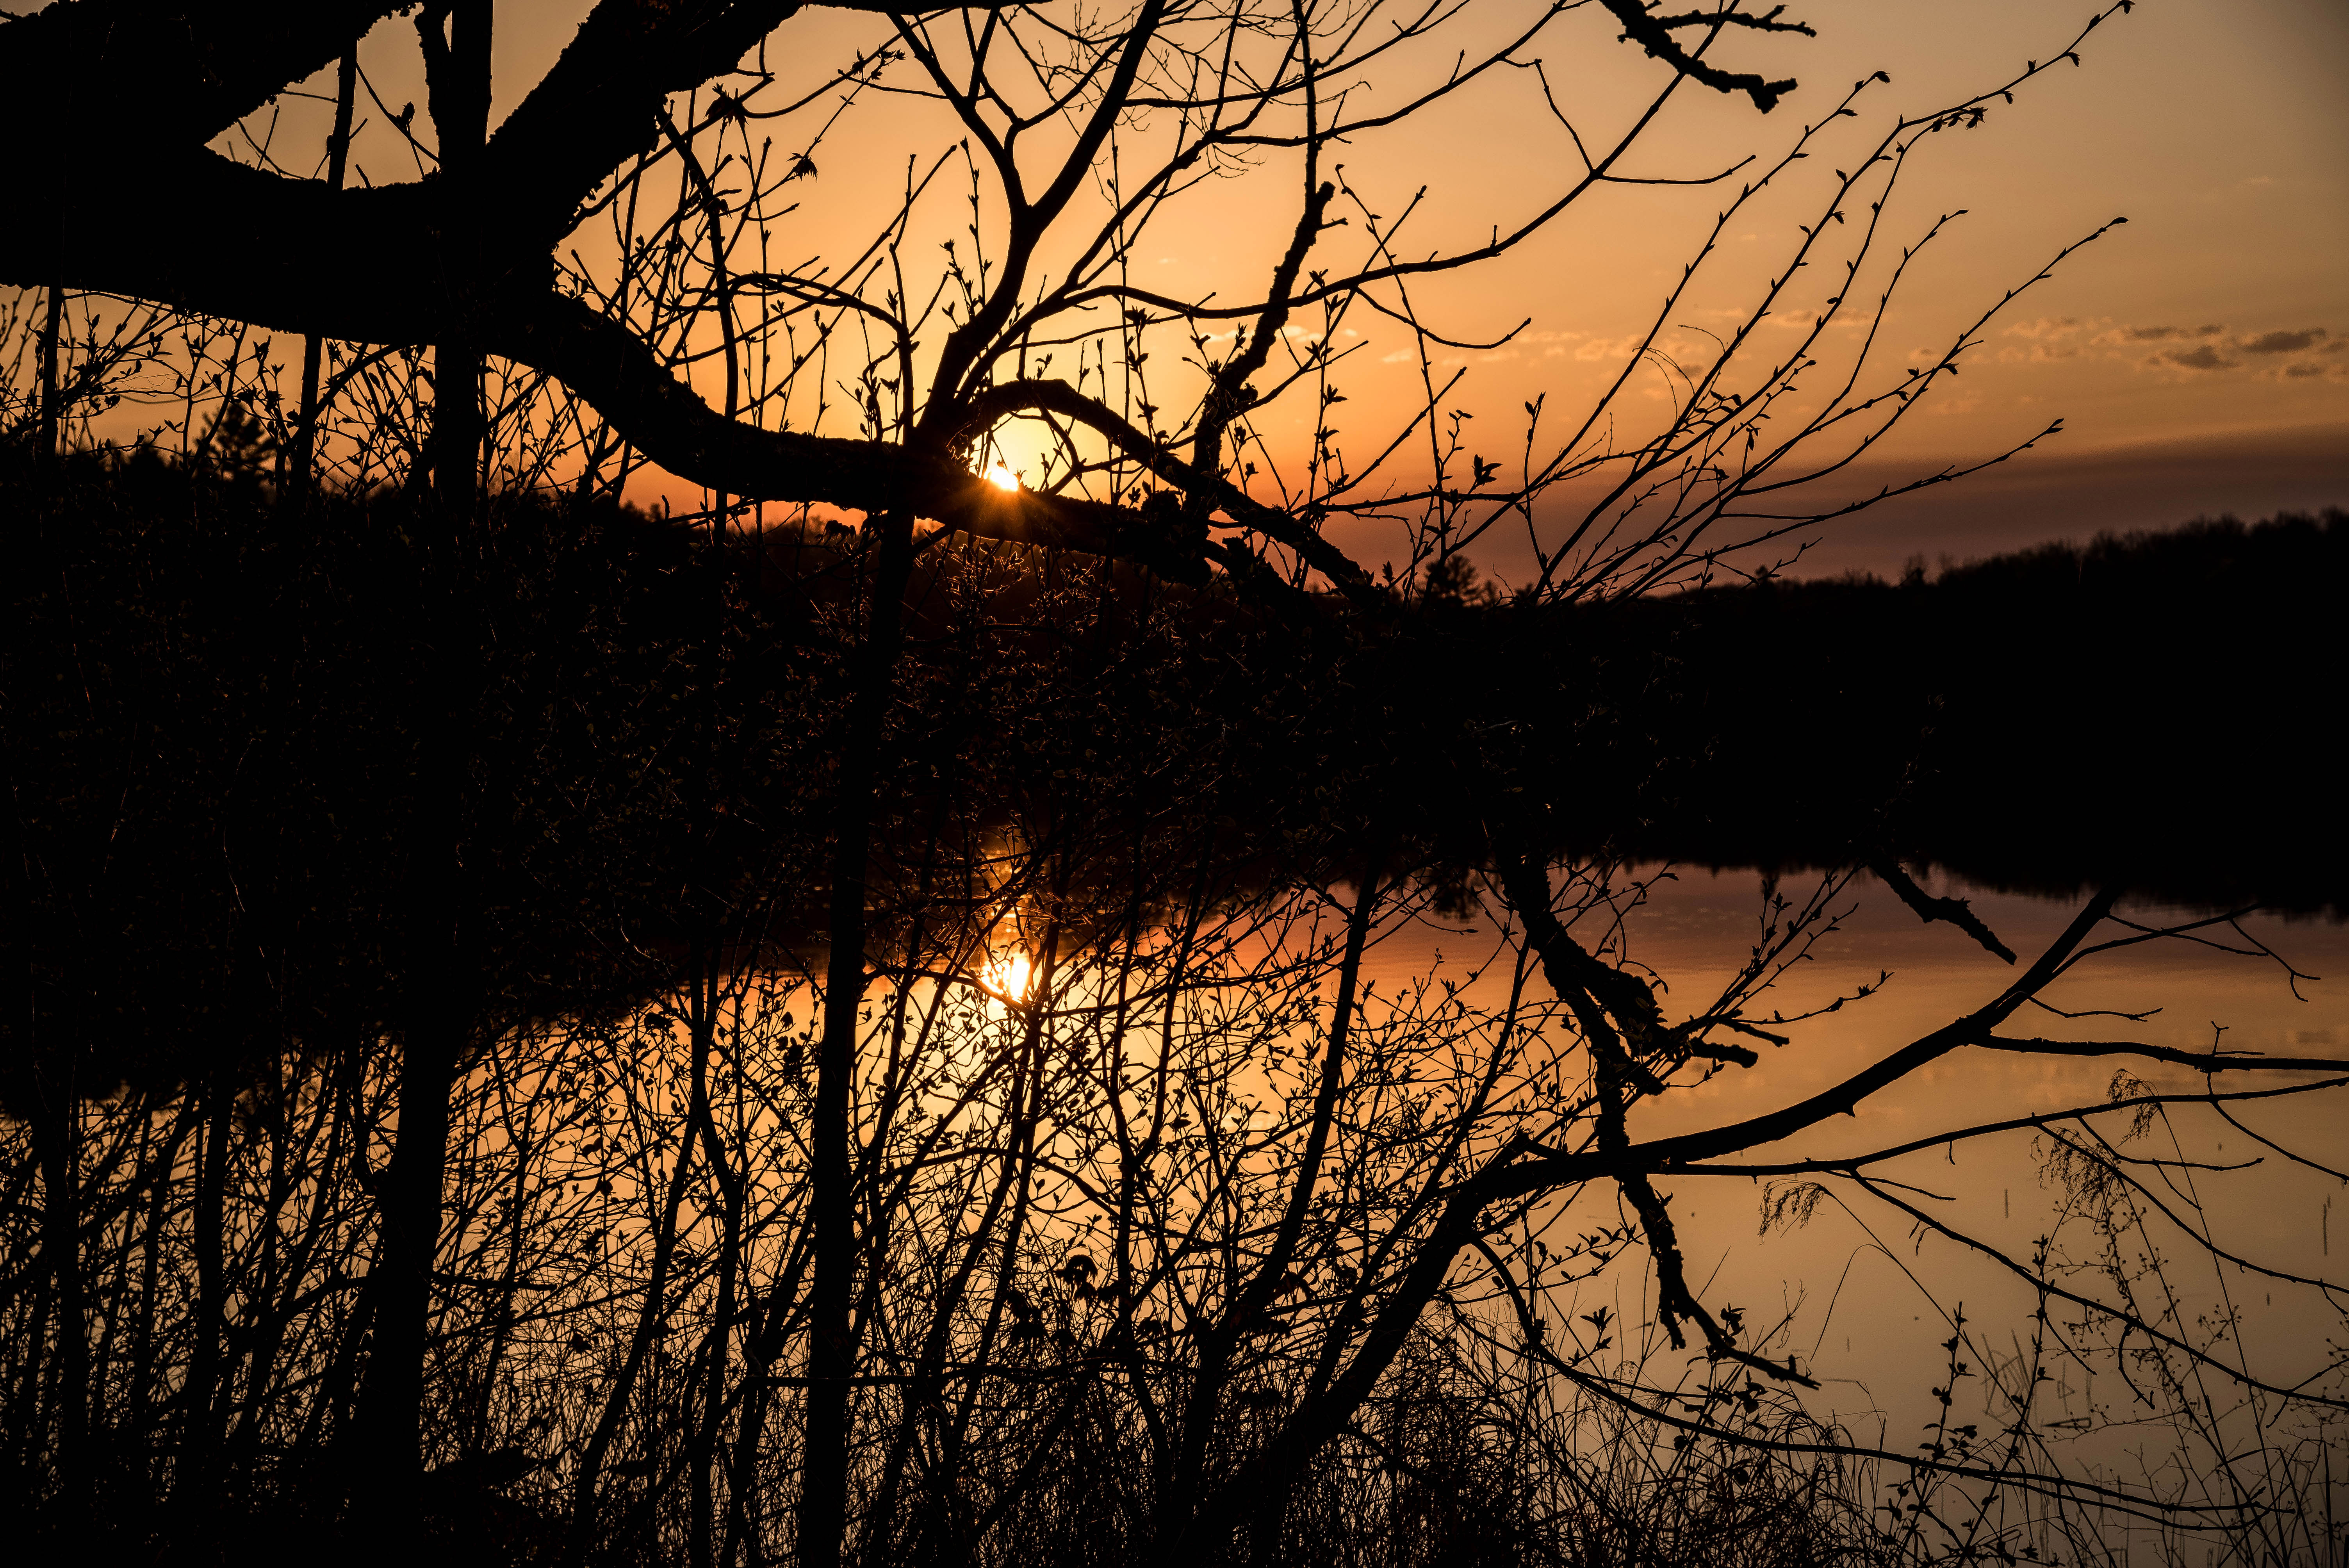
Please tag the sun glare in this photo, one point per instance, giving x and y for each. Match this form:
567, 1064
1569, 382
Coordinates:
1002, 478
1009, 975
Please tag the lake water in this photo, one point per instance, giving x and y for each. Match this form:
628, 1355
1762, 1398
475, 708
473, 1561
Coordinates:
1863, 1300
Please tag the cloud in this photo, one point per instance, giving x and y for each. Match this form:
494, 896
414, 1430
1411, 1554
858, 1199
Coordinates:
2038, 352
2045, 326
2200, 357
2284, 342
2206, 347
2048, 338
2176, 348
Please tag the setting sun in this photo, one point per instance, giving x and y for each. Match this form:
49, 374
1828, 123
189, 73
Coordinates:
1002, 478
1009, 975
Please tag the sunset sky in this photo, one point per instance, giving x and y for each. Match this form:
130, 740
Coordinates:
2198, 355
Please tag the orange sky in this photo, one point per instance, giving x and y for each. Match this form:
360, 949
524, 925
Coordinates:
2199, 356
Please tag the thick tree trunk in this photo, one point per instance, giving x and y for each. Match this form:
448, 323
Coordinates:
411, 1216
443, 974
443, 984
824, 1474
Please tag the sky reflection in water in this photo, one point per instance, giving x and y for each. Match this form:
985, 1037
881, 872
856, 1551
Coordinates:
1866, 1300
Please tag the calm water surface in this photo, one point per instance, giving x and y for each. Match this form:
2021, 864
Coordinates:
1865, 1302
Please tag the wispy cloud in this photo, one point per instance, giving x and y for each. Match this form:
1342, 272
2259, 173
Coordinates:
2176, 348
2201, 356
2284, 342
2048, 337
2045, 326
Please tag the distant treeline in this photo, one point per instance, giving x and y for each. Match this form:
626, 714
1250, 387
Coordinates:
2153, 712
